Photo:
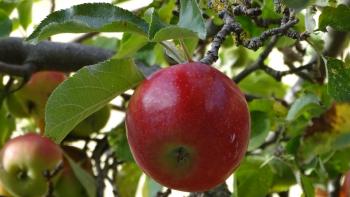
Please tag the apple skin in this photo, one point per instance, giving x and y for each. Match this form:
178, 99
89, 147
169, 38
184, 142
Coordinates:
188, 127
93, 123
23, 161
345, 188
320, 192
31, 99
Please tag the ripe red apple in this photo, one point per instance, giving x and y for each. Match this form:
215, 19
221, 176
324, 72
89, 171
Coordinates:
321, 192
345, 189
23, 162
188, 126
32, 98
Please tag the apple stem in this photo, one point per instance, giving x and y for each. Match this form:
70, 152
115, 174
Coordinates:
186, 51
49, 175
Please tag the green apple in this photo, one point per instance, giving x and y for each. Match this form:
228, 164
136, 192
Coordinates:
92, 124
23, 162
17, 107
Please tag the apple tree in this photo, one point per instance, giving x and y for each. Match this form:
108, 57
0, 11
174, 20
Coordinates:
246, 98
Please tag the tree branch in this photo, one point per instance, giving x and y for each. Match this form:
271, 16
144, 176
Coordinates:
65, 57
85, 37
16, 70
220, 190
228, 27
259, 63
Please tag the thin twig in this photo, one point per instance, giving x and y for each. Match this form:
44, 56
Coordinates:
49, 175
337, 187
164, 194
257, 42
99, 150
259, 63
85, 37
118, 108
229, 26
53, 6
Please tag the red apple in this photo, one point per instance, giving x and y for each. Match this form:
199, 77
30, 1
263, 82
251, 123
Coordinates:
321, 192
188, 127
32, 98
23, 162
345, 189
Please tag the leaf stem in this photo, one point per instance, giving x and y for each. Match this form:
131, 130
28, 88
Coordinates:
186, 51
176, 57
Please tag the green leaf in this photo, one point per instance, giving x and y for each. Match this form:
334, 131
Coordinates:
297, 4
339, 162
191, 18
191, 44
251, 174
317, 41
268, 10
342, 141
8, 5
338, 79
301, 105
155, 24
249, 27
166, 11
119, 143
84, 178
159, 31
5, 24
263, 105
338, 18
25, 13
127, 179
306, 184
130, 45
103, 42
283, 177
92, 17
260, 129
173, 32
257, 82
90, 89
7, 125
172, 51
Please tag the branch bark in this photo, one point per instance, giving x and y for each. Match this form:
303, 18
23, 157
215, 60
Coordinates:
66, 57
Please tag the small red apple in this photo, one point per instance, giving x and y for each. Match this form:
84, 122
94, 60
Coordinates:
321, 192
345, 189
188, 127
32, 98
23, 162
